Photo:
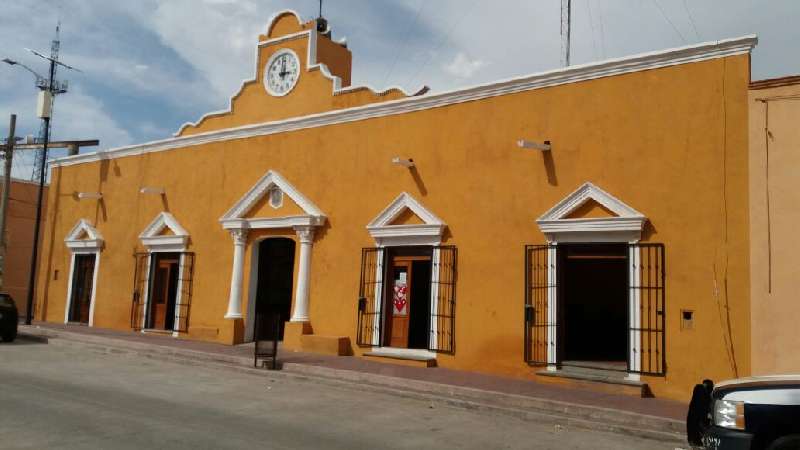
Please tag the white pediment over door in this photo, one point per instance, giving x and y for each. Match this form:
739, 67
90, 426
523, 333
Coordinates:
386, 232
590, 214
84, 236
276, 186
164, 232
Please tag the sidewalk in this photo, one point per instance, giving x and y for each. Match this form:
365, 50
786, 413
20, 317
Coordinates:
650, 417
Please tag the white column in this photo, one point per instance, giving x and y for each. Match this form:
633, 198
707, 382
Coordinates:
235, 299
306, 236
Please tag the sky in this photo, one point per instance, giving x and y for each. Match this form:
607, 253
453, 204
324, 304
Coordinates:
148, 66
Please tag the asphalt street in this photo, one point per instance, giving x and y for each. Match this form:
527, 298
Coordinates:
68, 397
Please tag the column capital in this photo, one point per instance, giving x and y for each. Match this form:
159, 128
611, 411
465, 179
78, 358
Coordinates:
305, 234
239, 235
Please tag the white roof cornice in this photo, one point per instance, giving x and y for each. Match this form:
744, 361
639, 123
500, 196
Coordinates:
573, 74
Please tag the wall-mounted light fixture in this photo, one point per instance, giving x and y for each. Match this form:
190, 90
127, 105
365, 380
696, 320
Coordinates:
152, 190
522, 143
405, 162
89, 195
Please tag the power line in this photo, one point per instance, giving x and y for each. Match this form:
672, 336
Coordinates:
443, 41
602, 31
691, 20
404, 42
664, 15
591, 27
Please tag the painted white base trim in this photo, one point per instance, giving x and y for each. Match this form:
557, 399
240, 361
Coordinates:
403, 353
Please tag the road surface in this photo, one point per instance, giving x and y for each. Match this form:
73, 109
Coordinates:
71, 397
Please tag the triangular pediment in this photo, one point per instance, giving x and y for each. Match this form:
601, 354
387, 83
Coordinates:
588, 192
84, 235
401, 205
406, 221
590, 209
280, 203
165, 231
407, 217
275, 203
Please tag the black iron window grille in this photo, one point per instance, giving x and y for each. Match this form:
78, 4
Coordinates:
371, 303
646, 299
183, 302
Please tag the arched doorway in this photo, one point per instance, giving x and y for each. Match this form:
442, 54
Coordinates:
274, 278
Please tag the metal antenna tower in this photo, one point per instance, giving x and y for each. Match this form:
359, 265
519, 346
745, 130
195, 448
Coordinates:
566, 21
56, 88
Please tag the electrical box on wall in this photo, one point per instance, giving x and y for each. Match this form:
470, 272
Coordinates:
687, 319
44, 104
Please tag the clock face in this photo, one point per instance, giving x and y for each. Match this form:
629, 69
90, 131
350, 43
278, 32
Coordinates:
282, 72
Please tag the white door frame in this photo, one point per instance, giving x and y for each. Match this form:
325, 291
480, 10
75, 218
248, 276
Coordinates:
386, 235
155, 242
83, 239
74, 253
624, 227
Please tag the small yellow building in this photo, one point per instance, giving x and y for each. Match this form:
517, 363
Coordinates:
591, 216
774, 214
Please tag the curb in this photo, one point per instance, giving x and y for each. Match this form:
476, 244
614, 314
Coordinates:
26, 336
523, 407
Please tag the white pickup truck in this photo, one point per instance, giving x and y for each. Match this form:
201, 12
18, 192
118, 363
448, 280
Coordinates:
756, 413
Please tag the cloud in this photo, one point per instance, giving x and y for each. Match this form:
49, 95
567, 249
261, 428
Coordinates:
462, 66
151, 65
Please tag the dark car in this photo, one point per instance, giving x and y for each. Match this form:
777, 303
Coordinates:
8, 318
756, 413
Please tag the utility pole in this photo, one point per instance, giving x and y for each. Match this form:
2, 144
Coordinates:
8, 154
566, 22
48, 88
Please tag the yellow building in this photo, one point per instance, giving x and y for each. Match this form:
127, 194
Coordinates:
774, 212
594, 215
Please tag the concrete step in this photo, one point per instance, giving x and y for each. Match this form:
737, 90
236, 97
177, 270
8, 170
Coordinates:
604, 380
326, 345
405, 357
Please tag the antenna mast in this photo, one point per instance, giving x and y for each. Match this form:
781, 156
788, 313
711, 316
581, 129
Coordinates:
566, 19
54, 87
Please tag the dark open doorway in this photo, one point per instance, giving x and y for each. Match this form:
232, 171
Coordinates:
82, 285
163, 291
408, 298
594, 292
275, 276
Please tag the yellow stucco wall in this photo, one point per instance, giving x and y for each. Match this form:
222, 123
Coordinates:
670, 142
774, 217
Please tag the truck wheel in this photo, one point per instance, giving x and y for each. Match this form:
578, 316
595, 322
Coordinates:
9, 337
786, 443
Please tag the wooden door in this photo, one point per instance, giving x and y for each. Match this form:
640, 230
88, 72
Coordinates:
83, 279
163, 293
400, 302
